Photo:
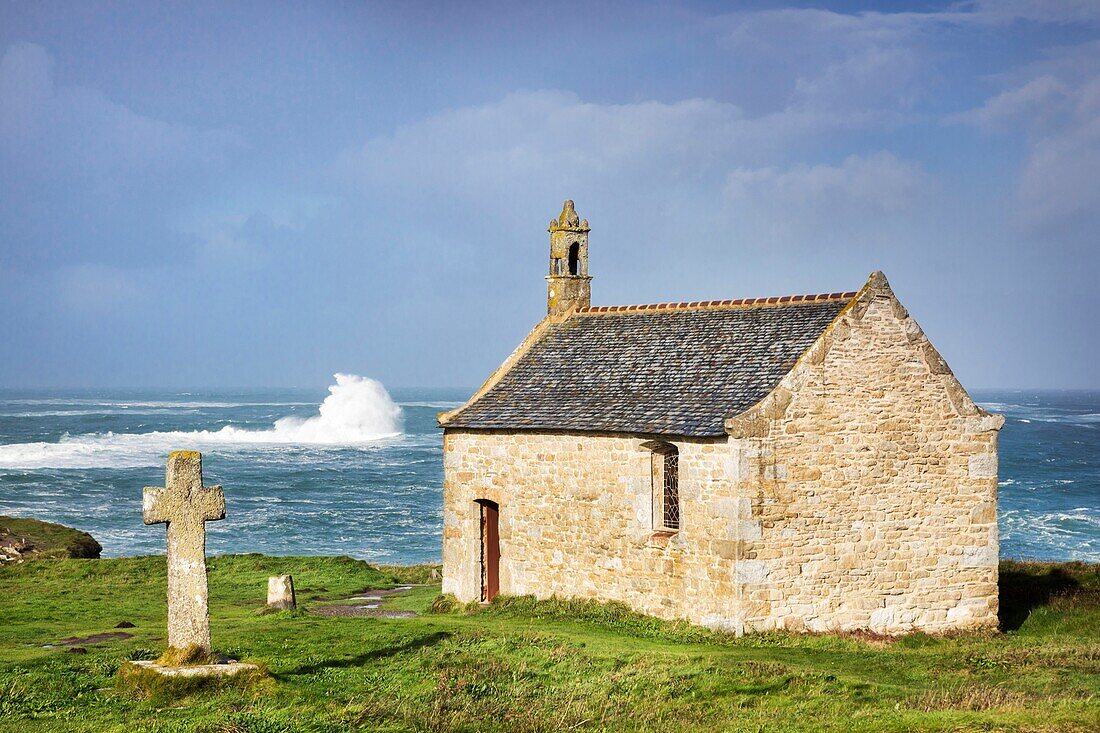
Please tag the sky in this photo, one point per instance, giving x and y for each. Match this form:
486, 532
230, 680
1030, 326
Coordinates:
209, 194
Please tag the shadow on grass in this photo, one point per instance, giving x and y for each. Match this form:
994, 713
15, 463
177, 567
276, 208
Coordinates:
361, 659
1025, 587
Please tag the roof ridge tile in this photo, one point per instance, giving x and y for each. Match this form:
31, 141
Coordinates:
729, 303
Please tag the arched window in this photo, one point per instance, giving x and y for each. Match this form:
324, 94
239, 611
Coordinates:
666, 487
575, 258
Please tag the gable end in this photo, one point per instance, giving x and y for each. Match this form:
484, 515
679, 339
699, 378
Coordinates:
755, 422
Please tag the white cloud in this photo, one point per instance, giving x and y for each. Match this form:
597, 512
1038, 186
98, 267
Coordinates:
874, 76
1056, 104
880, 182
840, 61
1058, 181
696, 177
775, 28
78, 132
88, 180
857, 203
1041, 11
553, 140
235, 242
1042, 96
536, 136
874, 60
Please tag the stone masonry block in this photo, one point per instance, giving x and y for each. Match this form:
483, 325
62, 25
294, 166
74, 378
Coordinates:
983, 465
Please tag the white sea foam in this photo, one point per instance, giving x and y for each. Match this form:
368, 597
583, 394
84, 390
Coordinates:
358, 411
1058, 532
124, 404
1034, 412
100, 412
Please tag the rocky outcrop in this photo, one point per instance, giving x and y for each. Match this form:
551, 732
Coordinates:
23, 538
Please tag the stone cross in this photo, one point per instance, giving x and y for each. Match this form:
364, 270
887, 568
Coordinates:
186, 505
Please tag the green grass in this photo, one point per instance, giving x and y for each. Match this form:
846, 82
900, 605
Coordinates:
525, 665
46, 539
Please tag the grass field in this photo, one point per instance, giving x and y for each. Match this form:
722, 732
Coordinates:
522, 665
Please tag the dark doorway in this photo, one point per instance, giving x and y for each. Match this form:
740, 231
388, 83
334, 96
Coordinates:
575, 258
490, 549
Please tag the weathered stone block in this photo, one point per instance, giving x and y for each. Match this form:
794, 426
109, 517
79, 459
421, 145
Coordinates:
980, 556
983, 465
984, 513
280, 592
751, 571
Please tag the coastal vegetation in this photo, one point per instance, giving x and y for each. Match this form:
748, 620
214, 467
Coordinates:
23, 538
67, 627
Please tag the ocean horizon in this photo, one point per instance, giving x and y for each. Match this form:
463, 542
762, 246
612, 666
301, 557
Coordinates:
358, 471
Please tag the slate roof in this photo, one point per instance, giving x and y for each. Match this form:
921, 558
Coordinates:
674, 369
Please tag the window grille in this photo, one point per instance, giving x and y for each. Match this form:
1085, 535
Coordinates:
665, 462
670, 494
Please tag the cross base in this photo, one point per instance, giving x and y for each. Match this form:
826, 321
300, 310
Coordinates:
197, 670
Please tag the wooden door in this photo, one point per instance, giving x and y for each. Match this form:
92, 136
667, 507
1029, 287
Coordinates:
490, 550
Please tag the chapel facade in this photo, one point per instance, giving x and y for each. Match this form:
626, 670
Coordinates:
803, 462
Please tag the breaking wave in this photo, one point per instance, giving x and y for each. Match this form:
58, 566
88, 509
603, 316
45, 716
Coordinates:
1069, 535
1028, 413
357, 411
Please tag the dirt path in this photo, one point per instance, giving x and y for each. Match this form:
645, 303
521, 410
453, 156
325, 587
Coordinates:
367, 603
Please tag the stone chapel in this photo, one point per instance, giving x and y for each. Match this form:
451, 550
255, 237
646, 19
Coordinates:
804, 462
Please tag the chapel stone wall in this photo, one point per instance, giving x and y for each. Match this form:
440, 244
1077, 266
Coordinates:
872, 480
576, 520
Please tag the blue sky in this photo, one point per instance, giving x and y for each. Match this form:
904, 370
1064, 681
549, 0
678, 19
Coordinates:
262, 194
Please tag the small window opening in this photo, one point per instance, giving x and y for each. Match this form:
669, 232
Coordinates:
557, 266
575, 258
666, 488
670, 513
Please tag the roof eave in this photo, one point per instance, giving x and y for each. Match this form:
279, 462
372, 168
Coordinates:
443, 418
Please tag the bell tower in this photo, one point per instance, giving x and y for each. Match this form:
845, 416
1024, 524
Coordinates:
568, 284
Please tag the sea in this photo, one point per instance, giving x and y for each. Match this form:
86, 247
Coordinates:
358, 470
